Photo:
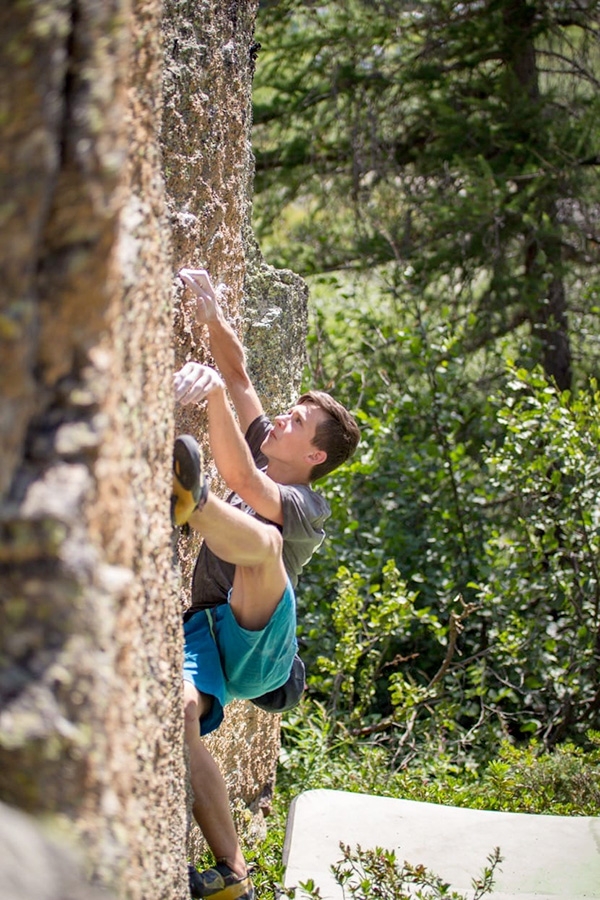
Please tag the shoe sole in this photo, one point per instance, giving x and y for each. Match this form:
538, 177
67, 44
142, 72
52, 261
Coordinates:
188, 465
188, 471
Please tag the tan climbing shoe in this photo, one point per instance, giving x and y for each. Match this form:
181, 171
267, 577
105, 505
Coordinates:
190, 488
220, 883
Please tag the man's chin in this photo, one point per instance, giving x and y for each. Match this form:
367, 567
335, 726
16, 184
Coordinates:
265, 444
270, 437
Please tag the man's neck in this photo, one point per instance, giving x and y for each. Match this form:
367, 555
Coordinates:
282, 473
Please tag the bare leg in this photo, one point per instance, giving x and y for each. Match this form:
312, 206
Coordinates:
211, 802
255, 549
233, 535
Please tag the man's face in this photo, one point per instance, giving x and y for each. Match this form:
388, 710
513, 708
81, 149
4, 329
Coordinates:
293, 432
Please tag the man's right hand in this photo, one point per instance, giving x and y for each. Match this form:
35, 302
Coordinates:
207, 306
194, 382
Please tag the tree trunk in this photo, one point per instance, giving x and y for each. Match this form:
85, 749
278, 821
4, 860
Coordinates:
544, 289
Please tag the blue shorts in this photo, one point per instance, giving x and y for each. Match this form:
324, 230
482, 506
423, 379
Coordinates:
228, 662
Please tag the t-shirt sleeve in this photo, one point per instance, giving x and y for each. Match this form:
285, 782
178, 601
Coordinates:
255, 435
304, 515
304, 511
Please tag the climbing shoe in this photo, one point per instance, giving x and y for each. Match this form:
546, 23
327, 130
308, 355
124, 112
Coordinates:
190, 488
220, 883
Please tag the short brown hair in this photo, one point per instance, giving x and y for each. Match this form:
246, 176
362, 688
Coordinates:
337, 434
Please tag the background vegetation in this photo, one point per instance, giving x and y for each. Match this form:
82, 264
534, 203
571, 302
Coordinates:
432, 169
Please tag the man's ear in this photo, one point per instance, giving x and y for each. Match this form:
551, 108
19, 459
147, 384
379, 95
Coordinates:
317, 457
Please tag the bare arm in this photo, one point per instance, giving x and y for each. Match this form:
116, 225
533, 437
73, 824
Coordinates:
225, 346
195, 383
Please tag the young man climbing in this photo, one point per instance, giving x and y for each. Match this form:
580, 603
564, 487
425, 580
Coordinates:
240, 631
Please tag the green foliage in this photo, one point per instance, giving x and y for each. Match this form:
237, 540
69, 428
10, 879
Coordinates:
413, 487
434, 166
542, 589
264, 858
378, 873
449, 153
370, 624
457, 139
491, 498
320, 752
564, 782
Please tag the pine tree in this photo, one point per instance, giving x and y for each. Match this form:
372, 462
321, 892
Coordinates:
455, 141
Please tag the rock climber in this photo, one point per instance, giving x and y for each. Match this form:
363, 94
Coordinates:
240, 631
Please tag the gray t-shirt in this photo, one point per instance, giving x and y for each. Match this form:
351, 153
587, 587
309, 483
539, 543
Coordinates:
304, 514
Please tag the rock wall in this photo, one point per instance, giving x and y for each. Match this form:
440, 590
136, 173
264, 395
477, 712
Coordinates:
125, 153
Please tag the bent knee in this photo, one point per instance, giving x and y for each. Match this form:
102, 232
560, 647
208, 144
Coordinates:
195, 705
275, 543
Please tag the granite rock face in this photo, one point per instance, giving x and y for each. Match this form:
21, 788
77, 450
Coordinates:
125, 154
208, 166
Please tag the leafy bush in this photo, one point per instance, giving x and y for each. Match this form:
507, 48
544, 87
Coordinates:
541, 594
482, 511
320, 752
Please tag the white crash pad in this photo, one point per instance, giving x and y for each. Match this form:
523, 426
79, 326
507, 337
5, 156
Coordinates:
544, 857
